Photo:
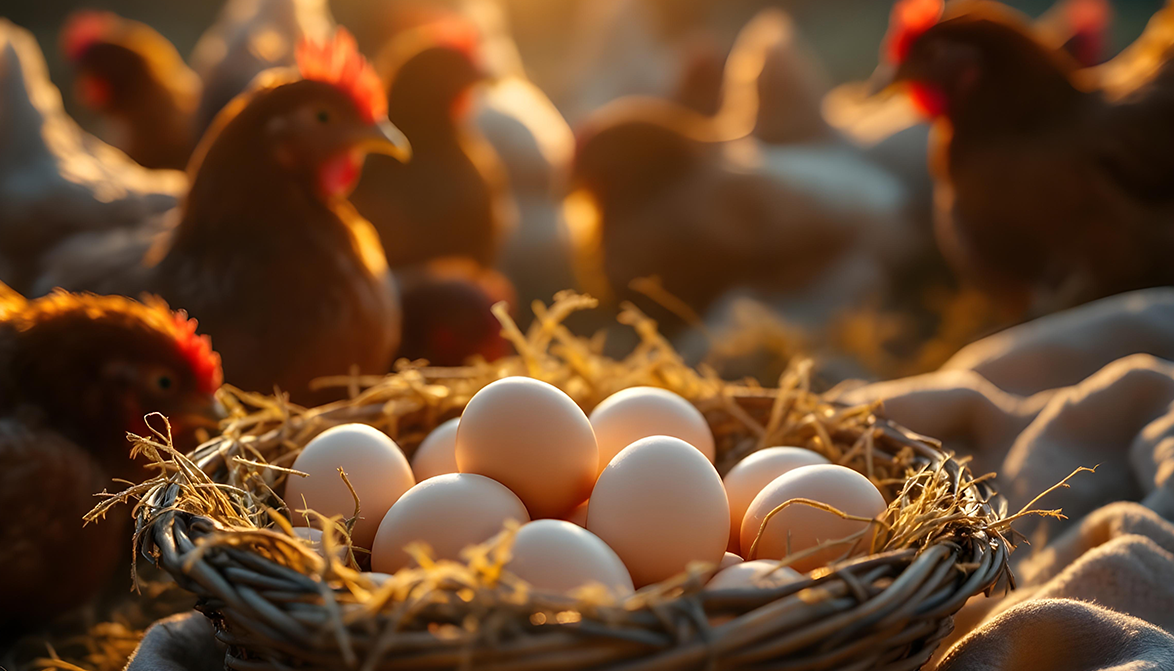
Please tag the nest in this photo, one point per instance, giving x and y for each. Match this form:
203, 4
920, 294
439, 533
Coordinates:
214, 520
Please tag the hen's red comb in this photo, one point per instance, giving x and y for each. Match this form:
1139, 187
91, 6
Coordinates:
82, 30
197, 351
909, 20
339, 62
1089, 16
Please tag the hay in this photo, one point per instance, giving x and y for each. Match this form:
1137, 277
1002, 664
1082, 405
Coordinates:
215, 521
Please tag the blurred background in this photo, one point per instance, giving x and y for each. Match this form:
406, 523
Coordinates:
844, 33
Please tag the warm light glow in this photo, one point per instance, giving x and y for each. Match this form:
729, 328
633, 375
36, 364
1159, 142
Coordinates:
583, 219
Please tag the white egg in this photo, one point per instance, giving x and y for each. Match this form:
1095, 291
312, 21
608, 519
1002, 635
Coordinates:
449, 513
437, 455
802, 527
758, 574
558, 556
756, 471
660, 505
313, 538
533, 438
629, 415
729, 559
374, 465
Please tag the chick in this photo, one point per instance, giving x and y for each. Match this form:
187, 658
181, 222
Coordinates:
77, 372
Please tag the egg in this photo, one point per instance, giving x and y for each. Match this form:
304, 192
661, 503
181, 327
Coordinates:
629, 415
313, 538
757, 574
531, 437
756, 471
578, 514
839, 487
660, 505
448, 512
729, 560
378, 579
437, 454
374, 465
558, 556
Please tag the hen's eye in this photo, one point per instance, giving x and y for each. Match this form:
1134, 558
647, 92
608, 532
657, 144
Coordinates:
323, 116
160, 381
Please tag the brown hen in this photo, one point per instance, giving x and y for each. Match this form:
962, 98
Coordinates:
268, 252
452, 198
1049, 191
77, 371
136, 80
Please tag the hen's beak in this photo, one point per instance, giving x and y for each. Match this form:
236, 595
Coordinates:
883, 79
384, 138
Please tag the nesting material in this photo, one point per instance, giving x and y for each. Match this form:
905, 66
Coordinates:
214, 521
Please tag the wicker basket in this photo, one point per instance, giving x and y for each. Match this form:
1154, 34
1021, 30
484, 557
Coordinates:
213, 521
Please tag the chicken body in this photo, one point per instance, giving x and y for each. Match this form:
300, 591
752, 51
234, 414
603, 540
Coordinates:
267, 251
762, 195
56, 181
135, 78
452, 198
1048, 192
76, 373
448, 315
703, 216
154, 106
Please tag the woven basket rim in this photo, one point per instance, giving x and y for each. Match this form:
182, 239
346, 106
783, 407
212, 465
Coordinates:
278, 605
234, 580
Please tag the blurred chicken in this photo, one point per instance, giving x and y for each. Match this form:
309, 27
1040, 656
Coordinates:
536, 146
532, 140
1079, 27
622, 48
268, 253
1050, 192
699, 86
249, 37
775, 83
77, 372
452, 198
832, 221
57, 181
135, 79
670, 197
447, 312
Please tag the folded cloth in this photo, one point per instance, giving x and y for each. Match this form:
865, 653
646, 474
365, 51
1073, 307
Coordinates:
1099, 597
1118, 417
184, 642
1062, 349
1063, 634
1092, 386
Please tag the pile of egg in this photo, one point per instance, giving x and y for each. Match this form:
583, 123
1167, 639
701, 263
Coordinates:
625, 498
